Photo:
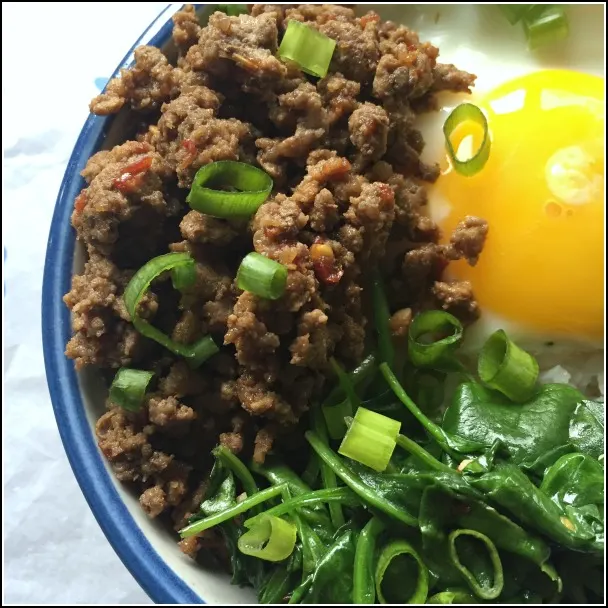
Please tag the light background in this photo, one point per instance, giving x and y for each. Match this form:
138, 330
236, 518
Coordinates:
55, 57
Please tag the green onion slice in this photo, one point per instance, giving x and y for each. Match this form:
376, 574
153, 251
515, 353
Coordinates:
334, 418
460, 114
183, 277
262, 276
307, 47
393, 570
232, 10
424, 347
550, 26
271, 539
484, 576
370, 439
249, 188
129, 388
503, 366
196, 353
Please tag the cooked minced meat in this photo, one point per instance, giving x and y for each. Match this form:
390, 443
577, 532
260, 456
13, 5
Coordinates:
349, 196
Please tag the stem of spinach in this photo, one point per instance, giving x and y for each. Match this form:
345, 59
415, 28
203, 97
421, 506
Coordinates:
382, 315
416, 450
364, 587
234, 463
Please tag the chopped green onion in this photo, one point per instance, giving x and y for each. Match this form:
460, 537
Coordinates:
242, 507
271, 539
334, 418
364, 587
307, 47
195, 354
453, 596
327, 495
382, 315
433, 337
183, 277
503, 366
129, 388
252, 185
370, 439
550, 26
232, 10
475, 572
262, 276
460, 114
396, 555
346, 384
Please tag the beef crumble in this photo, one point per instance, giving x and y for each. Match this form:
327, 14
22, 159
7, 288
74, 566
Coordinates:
349, 195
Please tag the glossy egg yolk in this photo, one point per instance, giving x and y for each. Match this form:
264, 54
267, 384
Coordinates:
542, 194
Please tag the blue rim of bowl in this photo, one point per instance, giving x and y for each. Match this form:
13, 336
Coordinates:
151, 572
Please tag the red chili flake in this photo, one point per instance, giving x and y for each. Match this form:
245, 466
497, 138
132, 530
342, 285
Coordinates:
371, 17
328, 271
386, 193
132, 175
81, 202
189, 145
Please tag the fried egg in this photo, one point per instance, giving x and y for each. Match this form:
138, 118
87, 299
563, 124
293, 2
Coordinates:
541, 274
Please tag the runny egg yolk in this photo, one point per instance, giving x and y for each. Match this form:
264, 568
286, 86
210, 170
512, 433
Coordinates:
542, 194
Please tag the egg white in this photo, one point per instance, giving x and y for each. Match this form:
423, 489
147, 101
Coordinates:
478, 38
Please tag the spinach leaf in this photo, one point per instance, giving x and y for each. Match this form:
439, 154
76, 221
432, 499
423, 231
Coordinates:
587, 428
507, 486
245, 570
224, 498
527, 431
575, 479
282, 580
332, 580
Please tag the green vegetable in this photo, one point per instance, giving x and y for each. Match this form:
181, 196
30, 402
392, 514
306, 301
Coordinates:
271, 539
346, 385
510, 489
282, 580
232, 10
334, 418
467, 112
382, 315
183, 277
550, 26
262, 276
453, 596
364, 586
482, 570
587, 428
249, 188
242, 507
358, 377
327, 474
128, 388
433, 338
223, 499
401, 575
233, 463
419, 452
307, 47
370, 439
514, 12
194, 354
368, 494
332, 580
528, 431
507, 368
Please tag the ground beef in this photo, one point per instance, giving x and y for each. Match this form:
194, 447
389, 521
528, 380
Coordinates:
348, 197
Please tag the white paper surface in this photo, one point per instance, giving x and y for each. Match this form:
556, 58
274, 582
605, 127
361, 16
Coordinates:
54, 58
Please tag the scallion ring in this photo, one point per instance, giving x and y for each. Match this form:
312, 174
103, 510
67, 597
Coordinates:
183, 277
401, 556
466, 112
195, 354
551, 25
249, 188
307, 47
433, 337
503, 366
128, 388
370, 439
262, 276
271, 539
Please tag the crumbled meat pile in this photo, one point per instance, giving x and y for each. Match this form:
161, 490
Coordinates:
345, 158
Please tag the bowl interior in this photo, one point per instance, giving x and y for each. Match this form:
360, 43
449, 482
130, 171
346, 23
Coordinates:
147, 547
